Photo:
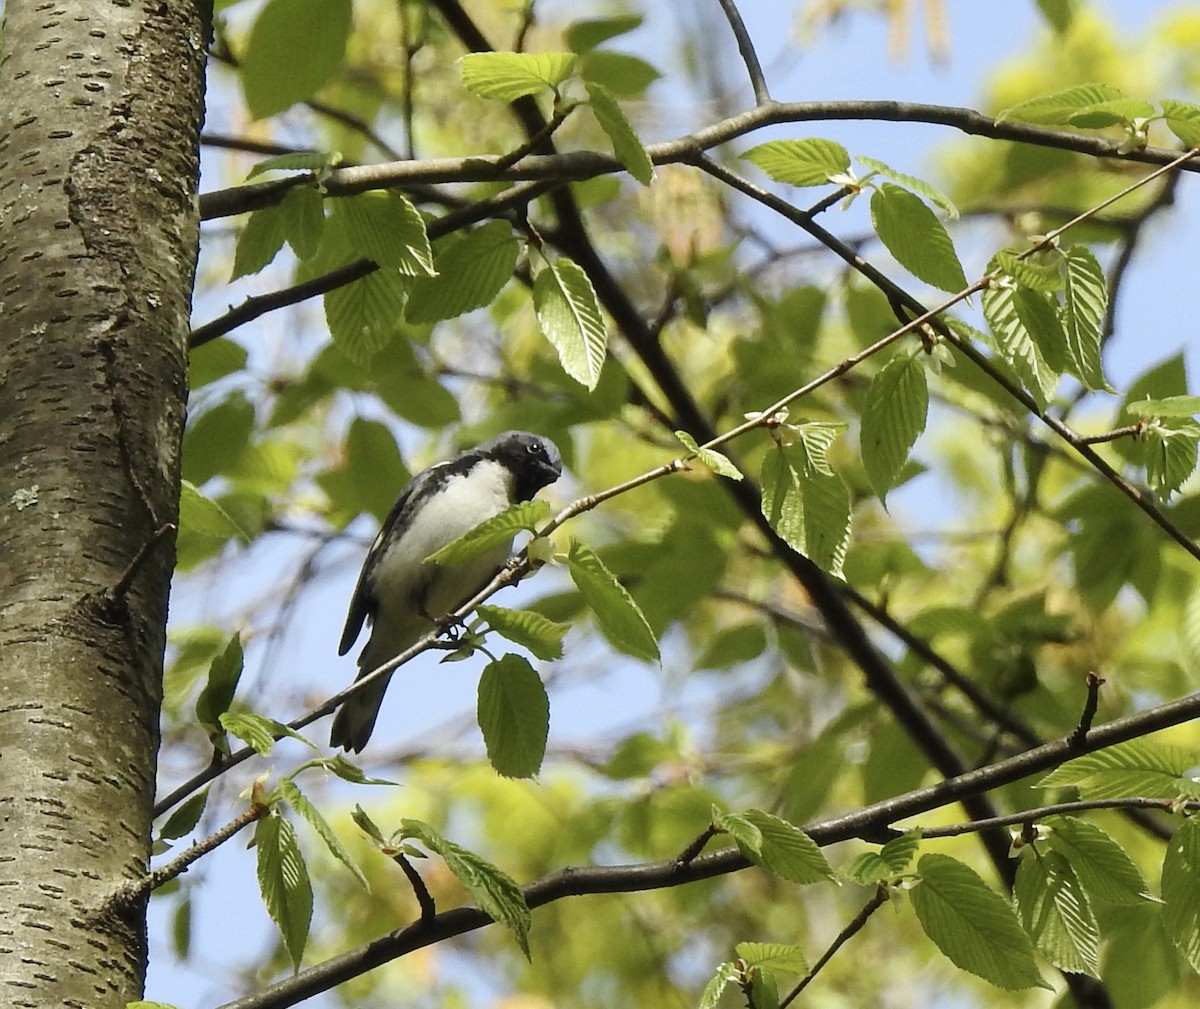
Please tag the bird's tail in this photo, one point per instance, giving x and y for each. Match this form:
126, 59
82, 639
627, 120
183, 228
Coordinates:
355, 719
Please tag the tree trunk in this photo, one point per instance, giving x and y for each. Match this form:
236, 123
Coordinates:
100, 107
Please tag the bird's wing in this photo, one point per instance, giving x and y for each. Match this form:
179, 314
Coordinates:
363, 602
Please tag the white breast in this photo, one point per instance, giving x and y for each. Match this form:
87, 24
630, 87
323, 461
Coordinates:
407, 591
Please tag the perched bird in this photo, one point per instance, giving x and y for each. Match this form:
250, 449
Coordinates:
400, 593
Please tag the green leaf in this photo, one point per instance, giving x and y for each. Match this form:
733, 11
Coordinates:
887, 864
303, 213
291, 794
625, 142
283, 882
583, 36
773, 956
472, 267
387, 229
1059, 14
619, 617
541, 635
1054, 910
219, 688
371, 472
1085, 302
505, 77
726, 974
1118, 111
806, 505
514, 715
259, 241
1181, 890
1103, 868
363, 316
893, 417
296, 161
1182, 119
737, 826
295, 47
347, 771
1169, 406
214, 360
1014, 341
711, 458
809, 162
254, 730
1058, 109
918, 186
779, 847
622, 74
973, 925
495, 892
498, 531
916, 238
183, 821
201, 516
1139, 767
1170, 454
569, 314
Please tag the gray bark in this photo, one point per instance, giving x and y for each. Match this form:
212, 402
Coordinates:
100, 106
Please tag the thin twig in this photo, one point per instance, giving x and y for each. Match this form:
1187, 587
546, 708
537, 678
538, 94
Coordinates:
852, 929
1057, 809
1094, 683
1128, 431
420, 890
746, 47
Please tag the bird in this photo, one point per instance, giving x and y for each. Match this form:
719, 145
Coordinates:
401, 594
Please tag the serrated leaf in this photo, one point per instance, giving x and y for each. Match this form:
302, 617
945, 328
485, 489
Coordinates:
913, 235
809, 162
726, 974
714, 460
1111, 113
296, 161
295, 46
223, 675
495, 532
1103, 868
1042, 271
737, 826
1181, 890
202, 516
1139, 767
623, 74
626, 144
387, 229
1085, 302
505, 77
808, 507
541, 635
1015, 343
363, 316
514, 716
1058, 108
303, 213
867, 867
893, 417
898, 853
918, 186
283, 882
784, 849
773, 956
183, 821
1054, 910
569, 315
1170, 453
619, 617
259, 241
1182, 119
253, 730
471, 268
292, 795
496, 894
972, 925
